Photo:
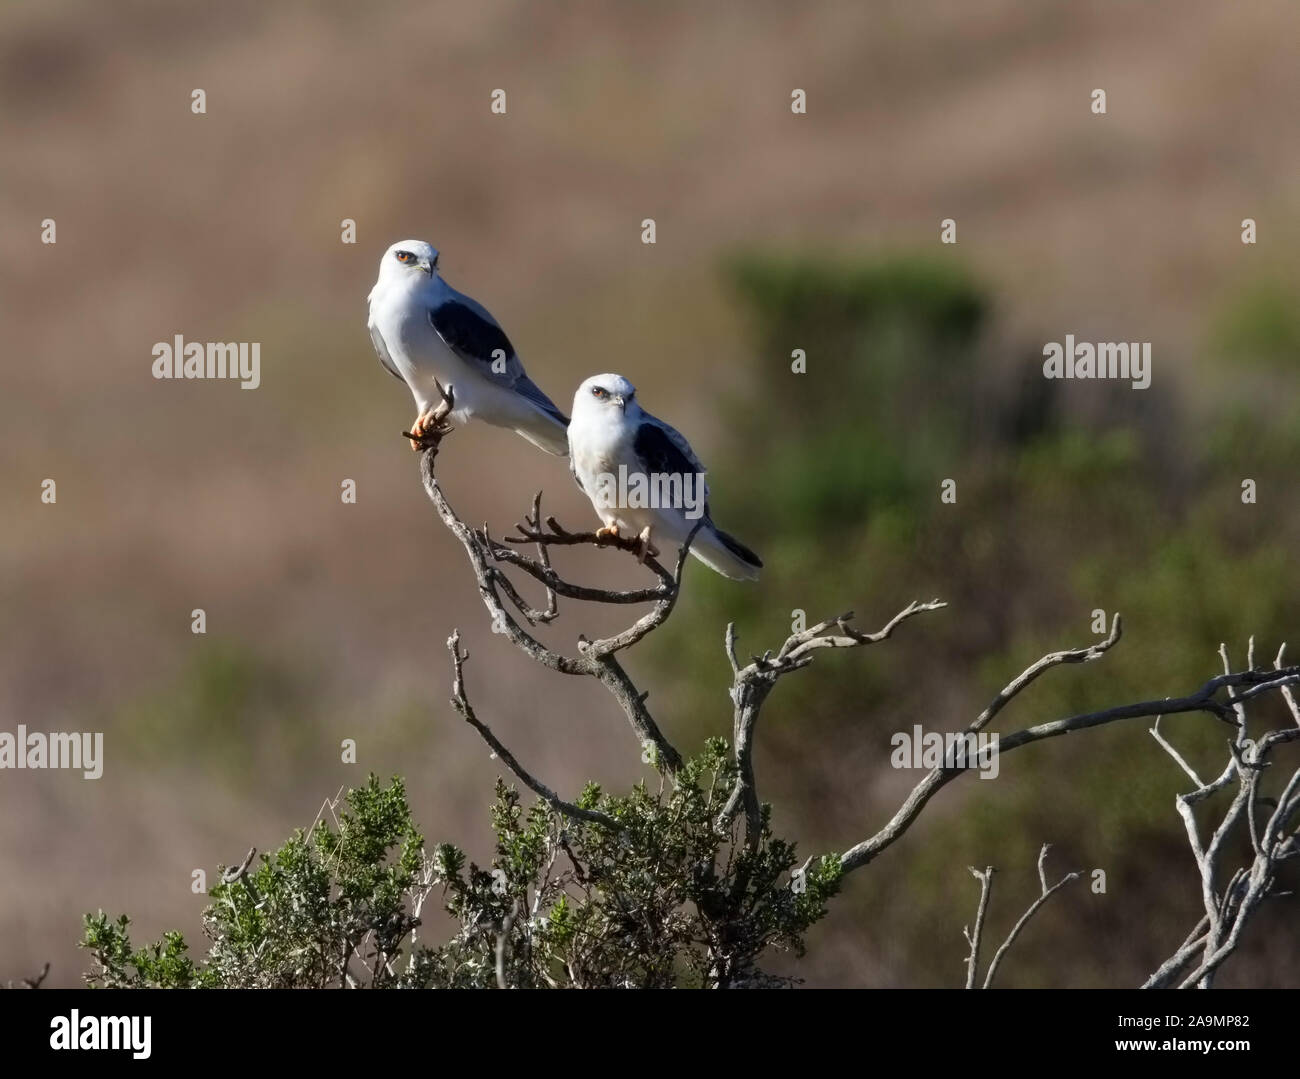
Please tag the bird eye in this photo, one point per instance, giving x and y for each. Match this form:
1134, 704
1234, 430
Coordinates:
404, 256
596, 391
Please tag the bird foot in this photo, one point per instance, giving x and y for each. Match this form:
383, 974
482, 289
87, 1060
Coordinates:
606, 532
427, 431
431, 426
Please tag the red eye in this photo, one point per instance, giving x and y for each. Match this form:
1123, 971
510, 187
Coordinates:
404, 256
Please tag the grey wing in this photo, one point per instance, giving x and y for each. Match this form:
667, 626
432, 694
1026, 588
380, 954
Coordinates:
664, 449
475, 337
526, 387
381, 350
574, 473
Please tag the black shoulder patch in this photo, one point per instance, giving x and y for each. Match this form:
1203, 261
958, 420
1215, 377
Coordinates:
660, 453
468, 333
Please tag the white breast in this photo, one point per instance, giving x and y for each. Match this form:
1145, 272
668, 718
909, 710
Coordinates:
597, 448
599, 445
401, 315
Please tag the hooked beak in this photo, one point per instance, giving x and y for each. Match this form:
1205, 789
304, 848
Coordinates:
621, 401
426, 266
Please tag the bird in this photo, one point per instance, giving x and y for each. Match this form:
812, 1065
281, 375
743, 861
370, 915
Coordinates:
644, 480
429, 335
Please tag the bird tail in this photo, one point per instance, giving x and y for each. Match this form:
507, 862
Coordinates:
546, 427
725, 554
547, 431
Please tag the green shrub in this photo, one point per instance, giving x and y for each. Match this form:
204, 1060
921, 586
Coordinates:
662, 899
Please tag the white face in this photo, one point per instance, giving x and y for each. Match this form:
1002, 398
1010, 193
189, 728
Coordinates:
605, 397
409, 259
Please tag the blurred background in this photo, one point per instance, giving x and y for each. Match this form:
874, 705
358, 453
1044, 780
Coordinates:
775, 231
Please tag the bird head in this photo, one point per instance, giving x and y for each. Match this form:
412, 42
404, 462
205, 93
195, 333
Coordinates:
607, 395
409, 259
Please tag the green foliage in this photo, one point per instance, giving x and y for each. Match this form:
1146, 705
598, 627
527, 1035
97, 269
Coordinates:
1260, 326
162, 965
886, 342
325, 898
664, 898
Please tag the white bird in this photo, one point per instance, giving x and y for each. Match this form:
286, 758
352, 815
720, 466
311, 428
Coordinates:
644, 479
426, 332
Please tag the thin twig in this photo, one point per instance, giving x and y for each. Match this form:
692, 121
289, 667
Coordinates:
460, 702
1046, 894
973, 937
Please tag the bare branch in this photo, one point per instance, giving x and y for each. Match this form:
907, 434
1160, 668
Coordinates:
481, 551
1203, 700
1171, 966
31, 983
559, 537
236, 872
1287, 693
751, 685
1219, 930
650, 621
729, 644
503, 943
798, 645
1052, 659
460, 702
1155, 733
557, 584
1016, 930
973, 937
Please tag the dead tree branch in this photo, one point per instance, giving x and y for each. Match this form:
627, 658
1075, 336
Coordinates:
751, 685
973, 936
1045, 894
1246, 684
460, 701
595, 659
1229, 907
30, 983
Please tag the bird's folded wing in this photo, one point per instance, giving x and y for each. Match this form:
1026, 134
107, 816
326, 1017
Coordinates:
475, 337
381, 349
664, 449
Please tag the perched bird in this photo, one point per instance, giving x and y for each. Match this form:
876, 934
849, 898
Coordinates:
644, 479
425, 332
